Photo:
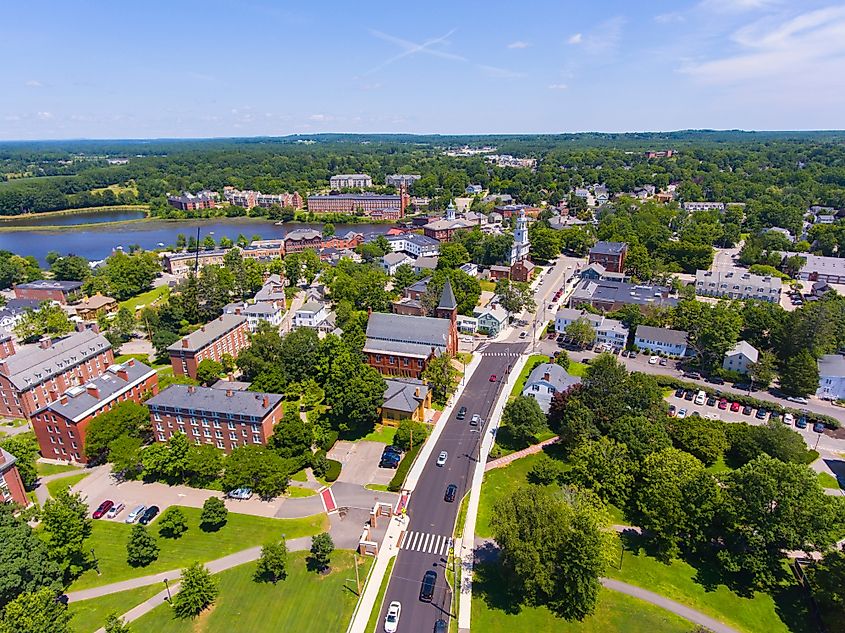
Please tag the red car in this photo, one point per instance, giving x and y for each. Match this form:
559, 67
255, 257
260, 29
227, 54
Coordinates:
723, 403
492, 377
735, 406
105, 506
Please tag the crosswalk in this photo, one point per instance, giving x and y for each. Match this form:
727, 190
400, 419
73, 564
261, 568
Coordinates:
426, 542
482, 349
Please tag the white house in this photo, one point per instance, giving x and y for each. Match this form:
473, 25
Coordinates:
740, 357
414, 244
491, 319
311, 314
661, 340
545, 380
608, 331
831, 377
470, 269
270, 311
467, 324
472, 190
392, 261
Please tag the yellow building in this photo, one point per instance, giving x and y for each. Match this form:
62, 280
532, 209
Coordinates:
405, 399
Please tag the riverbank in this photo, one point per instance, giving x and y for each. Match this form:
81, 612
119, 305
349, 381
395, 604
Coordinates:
80, 211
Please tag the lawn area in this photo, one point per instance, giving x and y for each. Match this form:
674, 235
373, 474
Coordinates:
719, 467
144, 358
759, 612
379, 487
304, 602
242, 531
43, 469
54, 487
295, 492
577, 368
487, 285
828, 481
90, 615
615, 612
146, 298
299, 475
533, 361
382, 433
372, 623
500, 483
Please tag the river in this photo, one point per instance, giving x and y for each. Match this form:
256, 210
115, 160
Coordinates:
97, 242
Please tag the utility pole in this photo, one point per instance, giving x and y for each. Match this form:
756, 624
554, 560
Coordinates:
357, 576
167, 586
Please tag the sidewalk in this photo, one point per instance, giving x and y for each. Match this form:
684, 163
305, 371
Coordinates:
507, 459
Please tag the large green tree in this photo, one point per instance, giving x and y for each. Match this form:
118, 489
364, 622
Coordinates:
524, 419
799, 374
440, 374
26, 564
605, 467
141, 548
66, 525
125, 418
25, 449
198, 589
36, 612
272, 565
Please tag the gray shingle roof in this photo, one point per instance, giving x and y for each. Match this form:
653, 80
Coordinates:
303, 234
608, 248
51, 284
406, 335
745, 348
208, 333
832, 365
8, 460
559, 378
447, 298
400, 394
32, 366
661, 335
205, 400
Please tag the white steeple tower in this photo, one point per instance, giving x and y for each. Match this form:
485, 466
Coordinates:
450, 212
521, 243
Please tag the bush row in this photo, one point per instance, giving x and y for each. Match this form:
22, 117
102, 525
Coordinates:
398, 480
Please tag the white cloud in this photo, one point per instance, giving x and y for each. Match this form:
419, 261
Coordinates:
575, 39
319, 117
412, 48
33, 83
44, 116
558, 86
672, 17
519, 44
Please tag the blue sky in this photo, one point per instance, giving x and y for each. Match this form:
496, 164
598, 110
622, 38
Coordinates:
190, 68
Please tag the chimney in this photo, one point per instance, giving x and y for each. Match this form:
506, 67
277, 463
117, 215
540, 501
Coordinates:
547, 377
192, 389
123, 374
131, 362
265, 401
44, 343
229, 393
184, 342
94, 327
63, 399
80, 326
93, 391
417, 392
202, 329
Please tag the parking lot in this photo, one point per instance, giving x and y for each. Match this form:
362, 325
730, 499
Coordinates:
360, 463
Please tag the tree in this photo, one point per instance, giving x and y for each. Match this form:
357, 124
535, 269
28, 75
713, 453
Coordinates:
705, 439
713, 329
172, 523
198, 590
123, 276
328, 229
115, 624
452, 255
404, 277
125, 418
292, 437
49, 319
562, 359
37, 612
515, 296
70, 268
214, 514
580, 332
272, 565
524, 419
26, 565
203, 464
208, 371
441, 375
555, 548
410, 433
799, 375
322, 547
25, 449
641, 435
827, 577
605, 467
545, 244
763, 371
125, 455
141, 549
66, 525
256, 467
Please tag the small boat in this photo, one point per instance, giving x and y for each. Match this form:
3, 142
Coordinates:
160, 244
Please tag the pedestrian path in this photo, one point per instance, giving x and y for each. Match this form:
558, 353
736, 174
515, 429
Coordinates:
425, 542
329, 502
507, 459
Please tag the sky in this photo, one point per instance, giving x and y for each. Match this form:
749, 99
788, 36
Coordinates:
222, 68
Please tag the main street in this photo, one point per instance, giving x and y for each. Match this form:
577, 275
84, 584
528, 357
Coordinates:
425, 543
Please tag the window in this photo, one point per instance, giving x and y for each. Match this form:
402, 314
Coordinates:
256, 439
233, 436
161, 437
206, 433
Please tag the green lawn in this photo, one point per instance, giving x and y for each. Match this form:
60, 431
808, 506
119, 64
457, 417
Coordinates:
299, 475
382, 433
533, 361
57, 485
492, 612
89, 615
500, 483
304, 602
828, 481
379, 487
372, 623
43, 469
242, 531
295, 492
146, 298
760, 612
487, 285
144, 358
719, 467
577, 368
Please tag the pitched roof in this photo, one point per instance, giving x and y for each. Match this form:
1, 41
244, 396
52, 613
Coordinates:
558, 378
661, 335
832, 365
406, 335
746, 349
214, 401
303, 234
608, 248
395, 258
51, 284
447, 298
400, 394
208, 333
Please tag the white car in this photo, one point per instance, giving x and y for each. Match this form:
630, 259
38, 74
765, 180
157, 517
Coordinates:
136, 513
653, 360
391, 620
797, 400
789, 419
682, 413
116, 509
441, 459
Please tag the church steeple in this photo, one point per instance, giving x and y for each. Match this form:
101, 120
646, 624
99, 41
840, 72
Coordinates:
447, 298
521, 243
448, 309
450, 211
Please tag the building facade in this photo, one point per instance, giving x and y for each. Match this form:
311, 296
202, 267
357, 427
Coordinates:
227, 334
401, 180
611, 255
521, 244
740, 358
11, 485
545, 380
732, 285
608, 331
193, 202
350, 181
831, 377
404, 399
183, 262
351, 203
661, 340
48, 290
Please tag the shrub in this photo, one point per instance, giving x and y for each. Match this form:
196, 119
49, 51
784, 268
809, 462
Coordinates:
214, 514
333, 470
398, 480
545, 471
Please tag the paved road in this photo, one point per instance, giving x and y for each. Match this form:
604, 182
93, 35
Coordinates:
425, 544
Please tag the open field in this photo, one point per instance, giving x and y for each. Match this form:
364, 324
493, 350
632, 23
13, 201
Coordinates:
89, 615
44, 469
147, 298
64, 483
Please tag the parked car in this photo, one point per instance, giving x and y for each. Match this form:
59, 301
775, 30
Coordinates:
653, 360
441, 459
679, 393
492, 377
429, 581
798, 400
673, 411
462, 413
801, 422
391, 620
818, 427
711, 401
104, 507
774, 417
747, 409
689, 394
712, 416
451, 492
115, 510
440, 626
682, 413
789, 419
149, 514
136, 513
240, 493
735, 406
523, 334
700, 398
761, 414
475, 420
663, 362
388, 461
692, 374
391, 450
723, 404
715, 380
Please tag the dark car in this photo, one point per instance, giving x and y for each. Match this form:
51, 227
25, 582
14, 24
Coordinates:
389, 461
104, 507
818, 427
451, 492
149, 515
801, 422
673, 411
711, 401
679, 393
747, 409
440, 626
392, 450
462, 413
429, 581
716, 380
692, 374
689, 394
761, 414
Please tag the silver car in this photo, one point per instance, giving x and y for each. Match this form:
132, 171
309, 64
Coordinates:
441, 459
137, 513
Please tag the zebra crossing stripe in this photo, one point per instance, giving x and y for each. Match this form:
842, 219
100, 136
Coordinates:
435, 545
404, 538
424, 544
416, 539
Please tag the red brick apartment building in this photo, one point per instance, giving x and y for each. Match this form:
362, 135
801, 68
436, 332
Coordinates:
227, 334
11, 485
35, 376
299, 240
192, 202
611, 255
226, 419
354, 202
60, 426
47, 290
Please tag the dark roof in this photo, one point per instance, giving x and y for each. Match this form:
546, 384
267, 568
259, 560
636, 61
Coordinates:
406, 335
608, 248
15, 307
51, 284
303, 234
215, 401
621, 292
447, 298
661, 335
559, 378
400, 394
419, 286
208, 333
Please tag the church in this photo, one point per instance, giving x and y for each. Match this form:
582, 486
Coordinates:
521, 244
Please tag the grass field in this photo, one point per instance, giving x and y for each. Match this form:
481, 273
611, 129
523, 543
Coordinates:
89, 615
372, 623
492, 612
299, 475
303, 602
108, 540
719, 467
379, 487
54, 487
785, 611
381, 433
487, 285
147, 298
295, 492
500, 483
828, 481
577, 368
533, 361
53, 469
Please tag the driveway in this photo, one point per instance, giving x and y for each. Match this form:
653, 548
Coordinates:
360, 463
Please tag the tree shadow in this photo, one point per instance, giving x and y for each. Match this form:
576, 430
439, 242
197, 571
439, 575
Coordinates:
490, 584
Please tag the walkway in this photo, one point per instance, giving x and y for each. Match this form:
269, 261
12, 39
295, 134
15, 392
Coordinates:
41, 491
507, 459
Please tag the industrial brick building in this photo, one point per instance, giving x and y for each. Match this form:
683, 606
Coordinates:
227, 334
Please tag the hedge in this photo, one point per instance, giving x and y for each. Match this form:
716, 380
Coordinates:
676, 383
398, 480
329, 440
333, 470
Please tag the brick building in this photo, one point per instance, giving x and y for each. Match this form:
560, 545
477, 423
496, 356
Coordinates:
183, 262
32, 378
192, 202
11, 485
225, 418
47, 290
302, 239
354, 202
227, 334
350, 181
249, 199
264, 249
611, 255
60, 426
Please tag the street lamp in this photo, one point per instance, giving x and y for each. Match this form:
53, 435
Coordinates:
96, 562
167, 586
